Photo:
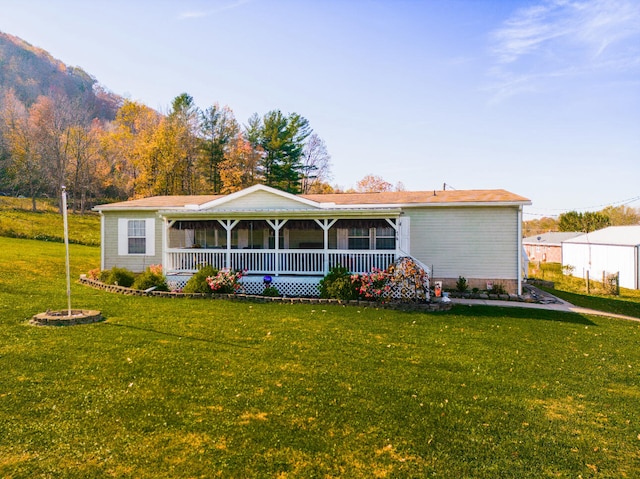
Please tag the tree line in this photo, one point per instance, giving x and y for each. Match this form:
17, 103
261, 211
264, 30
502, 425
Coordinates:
584, 222
56, 141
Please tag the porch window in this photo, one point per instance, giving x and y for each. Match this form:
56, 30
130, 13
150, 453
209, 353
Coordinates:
272, 239
359, 238
385, 237
137, 237
211, 238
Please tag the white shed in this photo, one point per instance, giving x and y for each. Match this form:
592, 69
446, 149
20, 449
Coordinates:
609, 251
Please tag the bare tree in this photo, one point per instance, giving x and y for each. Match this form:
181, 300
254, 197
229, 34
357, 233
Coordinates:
54, 118
316, 163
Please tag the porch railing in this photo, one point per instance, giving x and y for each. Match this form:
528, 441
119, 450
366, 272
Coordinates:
296, 262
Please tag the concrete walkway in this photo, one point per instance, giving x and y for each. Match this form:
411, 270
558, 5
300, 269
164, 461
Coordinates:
548, 302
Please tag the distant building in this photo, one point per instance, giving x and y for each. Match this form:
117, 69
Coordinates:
611, 250
547, 247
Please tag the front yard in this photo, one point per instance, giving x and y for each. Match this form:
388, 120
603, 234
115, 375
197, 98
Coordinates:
211, 388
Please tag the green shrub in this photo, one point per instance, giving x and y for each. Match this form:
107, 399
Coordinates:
271, 291
337, 284
151, 279
117, 276
198, 282
461, 284
498, 288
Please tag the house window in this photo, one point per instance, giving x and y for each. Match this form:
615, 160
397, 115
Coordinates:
385, 237
136, 237
359, 238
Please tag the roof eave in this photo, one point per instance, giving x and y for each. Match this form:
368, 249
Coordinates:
436, 205
283, 214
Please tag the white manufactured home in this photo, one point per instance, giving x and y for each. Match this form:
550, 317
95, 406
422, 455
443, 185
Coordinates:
607, 251
296, 239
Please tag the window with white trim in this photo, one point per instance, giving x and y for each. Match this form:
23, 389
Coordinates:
136, 237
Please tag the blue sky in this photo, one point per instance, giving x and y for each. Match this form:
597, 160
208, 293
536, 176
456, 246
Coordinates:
539, 97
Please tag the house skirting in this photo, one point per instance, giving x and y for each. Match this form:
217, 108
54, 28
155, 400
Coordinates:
290, 286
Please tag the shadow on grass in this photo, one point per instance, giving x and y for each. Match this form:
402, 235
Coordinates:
180, 336
481, 311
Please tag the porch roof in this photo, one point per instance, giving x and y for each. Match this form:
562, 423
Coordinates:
282, 214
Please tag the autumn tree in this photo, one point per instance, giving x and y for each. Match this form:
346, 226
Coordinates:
22, 165
87, 169
539, 226
240, 168
181, 146
621, 215
125, 146
373, 184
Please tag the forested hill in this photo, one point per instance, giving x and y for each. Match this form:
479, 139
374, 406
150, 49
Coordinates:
32, 72
58, 127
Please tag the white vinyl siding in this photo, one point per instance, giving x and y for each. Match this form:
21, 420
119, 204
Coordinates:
260, 200
473, 242
116, 241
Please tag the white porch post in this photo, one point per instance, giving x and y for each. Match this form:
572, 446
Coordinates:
396, 229
228, 225
165, 243
276, 225
325, 225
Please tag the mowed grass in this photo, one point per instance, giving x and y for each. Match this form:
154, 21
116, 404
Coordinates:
18, 221
573, 290
168, 388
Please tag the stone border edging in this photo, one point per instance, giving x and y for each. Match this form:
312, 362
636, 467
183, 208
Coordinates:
434, 306
56, 318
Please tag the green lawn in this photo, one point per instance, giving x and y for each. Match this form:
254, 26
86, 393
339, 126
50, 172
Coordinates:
171, 388
573, 290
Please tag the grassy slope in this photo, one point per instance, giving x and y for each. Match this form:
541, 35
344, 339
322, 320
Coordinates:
201, 388
18, 221
574, 290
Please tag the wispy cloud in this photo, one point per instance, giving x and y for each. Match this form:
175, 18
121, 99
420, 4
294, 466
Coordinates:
559, 38
190, 14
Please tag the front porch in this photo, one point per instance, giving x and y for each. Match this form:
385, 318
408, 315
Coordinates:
283, 246
277, 262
